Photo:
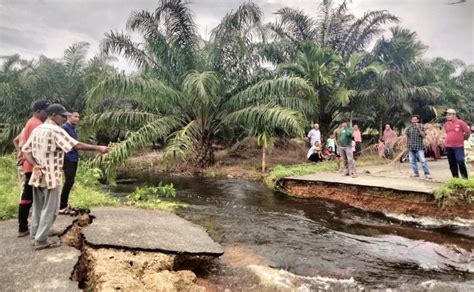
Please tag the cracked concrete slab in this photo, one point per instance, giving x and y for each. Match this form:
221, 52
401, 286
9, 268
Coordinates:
148, 230
24, 269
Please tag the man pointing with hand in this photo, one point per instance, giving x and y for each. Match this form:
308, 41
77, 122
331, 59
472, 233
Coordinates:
45, 150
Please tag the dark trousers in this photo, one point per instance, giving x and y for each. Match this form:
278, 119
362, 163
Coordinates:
456, 160
26, 200
358, 149
70, 168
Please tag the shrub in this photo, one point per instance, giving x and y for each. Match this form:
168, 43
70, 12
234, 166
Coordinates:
454, 191
148, 197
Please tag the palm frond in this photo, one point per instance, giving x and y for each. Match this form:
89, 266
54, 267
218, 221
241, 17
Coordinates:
75, 58
298, 25
157, 129
276, 88
120, 43
268, 116
180, 28
202, 86
145, 89
182, 141
125, 119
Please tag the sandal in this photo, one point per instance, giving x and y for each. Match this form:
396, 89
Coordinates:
46, 244
64, 211
73, 211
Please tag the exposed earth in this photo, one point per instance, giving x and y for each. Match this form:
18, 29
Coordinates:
382, 188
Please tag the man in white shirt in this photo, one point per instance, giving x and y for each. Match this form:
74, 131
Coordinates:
314, 135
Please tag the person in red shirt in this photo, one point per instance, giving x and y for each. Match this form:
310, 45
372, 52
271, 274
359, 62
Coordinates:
456, 132
26, 200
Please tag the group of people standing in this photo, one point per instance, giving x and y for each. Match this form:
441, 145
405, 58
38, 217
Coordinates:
346, 142
42, 144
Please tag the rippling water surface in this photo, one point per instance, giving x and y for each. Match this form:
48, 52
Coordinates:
311, 237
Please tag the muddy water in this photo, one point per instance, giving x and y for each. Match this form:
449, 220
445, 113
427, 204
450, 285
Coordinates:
320, 238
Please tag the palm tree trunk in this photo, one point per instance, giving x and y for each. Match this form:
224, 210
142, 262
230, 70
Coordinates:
263, 158
204, 156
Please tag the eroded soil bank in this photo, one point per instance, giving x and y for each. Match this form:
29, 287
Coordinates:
118, 269
378, 200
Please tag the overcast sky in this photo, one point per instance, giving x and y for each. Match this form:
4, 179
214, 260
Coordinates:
35, 27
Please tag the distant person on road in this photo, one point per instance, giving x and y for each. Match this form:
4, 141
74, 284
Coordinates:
432, 137
71, 160
44, 150
358, 141
314, 135
471, 137
26, 198
389, 134
345, 149
389, 137
456, 132
414, 135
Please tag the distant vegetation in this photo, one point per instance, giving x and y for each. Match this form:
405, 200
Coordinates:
249, 79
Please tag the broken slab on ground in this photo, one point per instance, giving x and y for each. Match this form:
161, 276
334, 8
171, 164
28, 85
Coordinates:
24, 269
148, 230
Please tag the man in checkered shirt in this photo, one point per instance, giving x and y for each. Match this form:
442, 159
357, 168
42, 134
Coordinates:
45, 150
415, 135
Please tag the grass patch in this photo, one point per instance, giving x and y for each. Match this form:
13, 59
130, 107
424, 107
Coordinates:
9, 187
149, 197
278, 172
455, 191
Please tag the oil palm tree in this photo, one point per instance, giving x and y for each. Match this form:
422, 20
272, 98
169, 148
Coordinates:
334, 27
324, 72
185, 91
395, 93
15, 93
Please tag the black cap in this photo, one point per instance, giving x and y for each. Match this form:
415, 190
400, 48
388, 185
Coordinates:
40, 105
56, 108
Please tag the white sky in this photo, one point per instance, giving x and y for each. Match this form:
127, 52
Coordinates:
35, 27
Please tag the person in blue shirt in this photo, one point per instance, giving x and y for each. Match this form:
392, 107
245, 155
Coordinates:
71, 160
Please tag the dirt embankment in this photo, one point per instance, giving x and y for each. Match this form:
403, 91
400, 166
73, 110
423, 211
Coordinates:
379, 200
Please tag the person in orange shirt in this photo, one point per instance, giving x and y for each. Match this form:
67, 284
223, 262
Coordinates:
26, 200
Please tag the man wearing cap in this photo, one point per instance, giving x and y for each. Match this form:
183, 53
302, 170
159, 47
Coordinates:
344, 141
456, 132
26, 199
45, 150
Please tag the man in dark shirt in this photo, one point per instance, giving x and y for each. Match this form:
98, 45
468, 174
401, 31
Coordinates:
415, 135
71, 160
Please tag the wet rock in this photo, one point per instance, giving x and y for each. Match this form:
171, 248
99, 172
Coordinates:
148, 230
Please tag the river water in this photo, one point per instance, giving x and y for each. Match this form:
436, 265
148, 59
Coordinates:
311, 237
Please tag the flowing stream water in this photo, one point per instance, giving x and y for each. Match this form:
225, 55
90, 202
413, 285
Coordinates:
311, 237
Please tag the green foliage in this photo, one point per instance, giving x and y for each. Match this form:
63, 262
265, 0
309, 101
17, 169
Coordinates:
455, 191
87, 192
278, 172
9, 187
149, 197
